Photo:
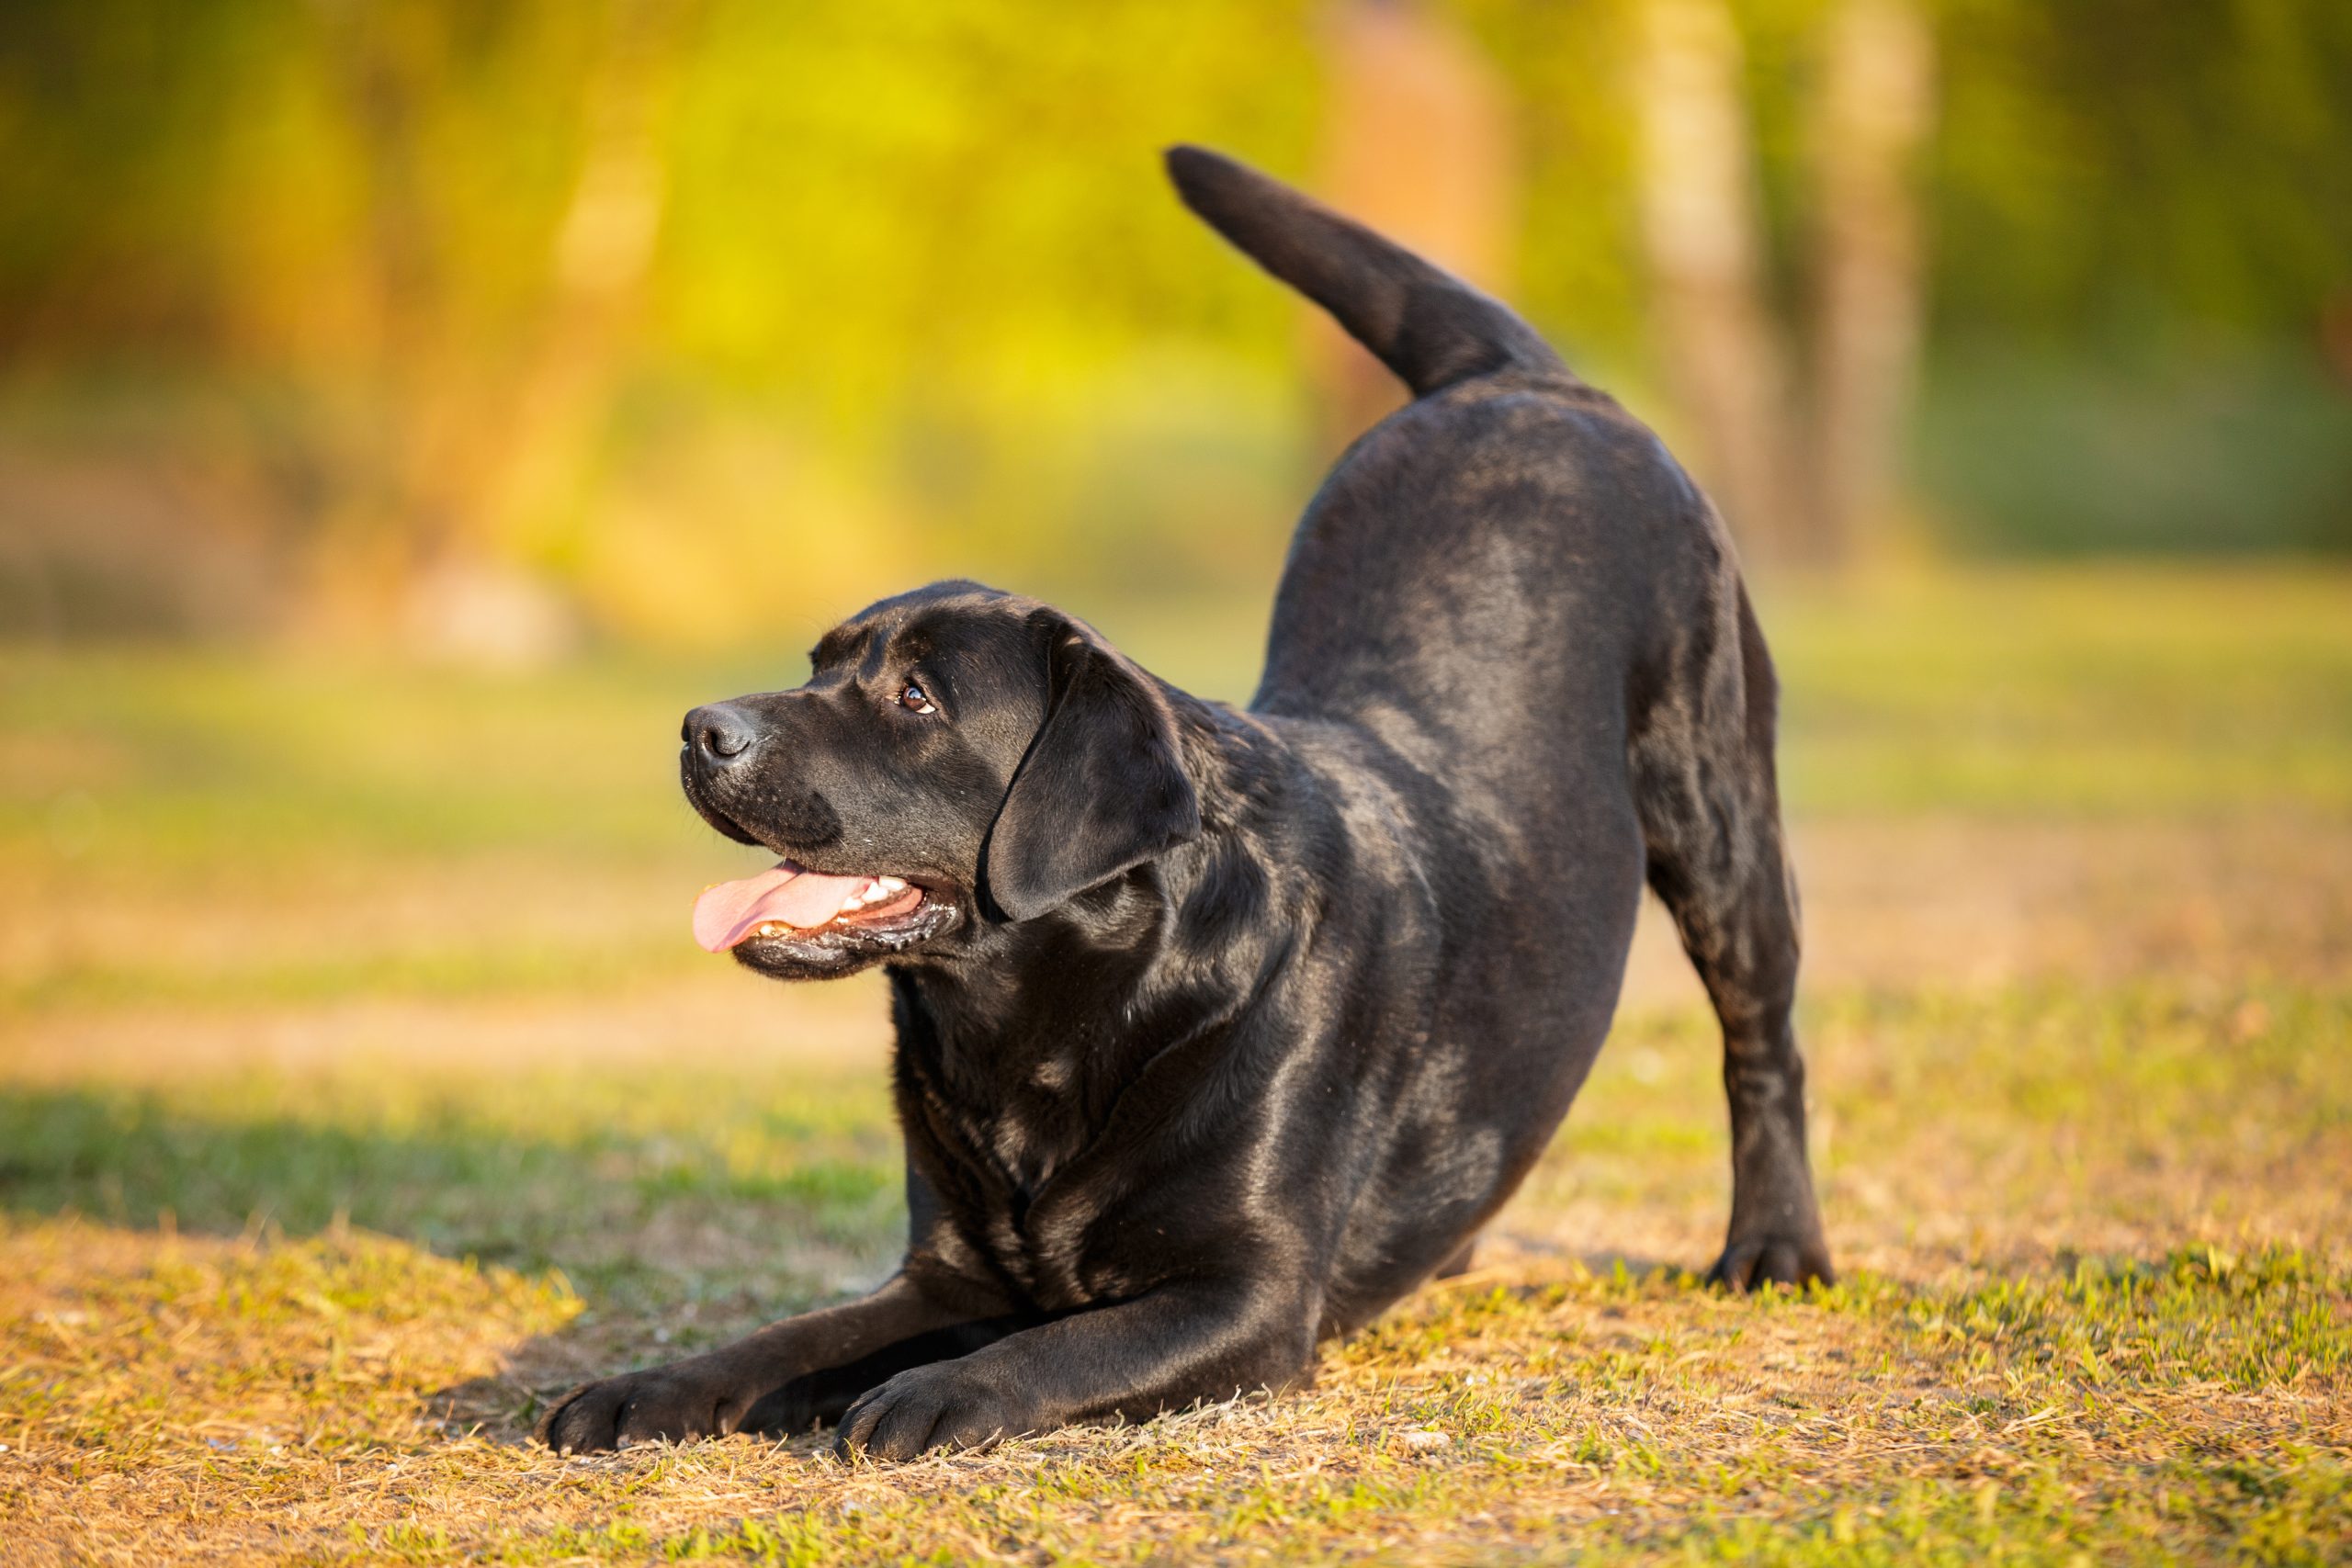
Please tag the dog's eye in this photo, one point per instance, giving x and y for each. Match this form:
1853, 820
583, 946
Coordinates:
915, 699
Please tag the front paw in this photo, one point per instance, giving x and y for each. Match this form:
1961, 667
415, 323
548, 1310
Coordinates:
1750, 1262
937, 1407
668, 1404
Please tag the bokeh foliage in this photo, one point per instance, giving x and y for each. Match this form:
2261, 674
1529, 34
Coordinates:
914, 302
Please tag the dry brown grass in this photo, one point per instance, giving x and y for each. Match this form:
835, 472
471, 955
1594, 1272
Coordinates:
1530, 1409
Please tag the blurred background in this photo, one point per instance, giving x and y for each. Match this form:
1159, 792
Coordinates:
494, 332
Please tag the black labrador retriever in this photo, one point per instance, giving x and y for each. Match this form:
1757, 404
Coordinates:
1219, 1031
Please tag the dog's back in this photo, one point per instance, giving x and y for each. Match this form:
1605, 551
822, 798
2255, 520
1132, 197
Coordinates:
1480, 583
1533, 621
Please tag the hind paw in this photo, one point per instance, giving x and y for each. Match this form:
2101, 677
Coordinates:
1751, 1262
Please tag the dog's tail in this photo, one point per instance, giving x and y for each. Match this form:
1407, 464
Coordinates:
1427, 325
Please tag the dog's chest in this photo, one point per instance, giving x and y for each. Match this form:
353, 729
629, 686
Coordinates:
1034, 1213
1015, 1129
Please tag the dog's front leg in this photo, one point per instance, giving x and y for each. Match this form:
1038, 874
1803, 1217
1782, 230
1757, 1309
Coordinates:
1163, 1350
803, 1369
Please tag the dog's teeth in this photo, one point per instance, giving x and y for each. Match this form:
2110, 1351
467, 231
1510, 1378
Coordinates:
891, 884
854, 901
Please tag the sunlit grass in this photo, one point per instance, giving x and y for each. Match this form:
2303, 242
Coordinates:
2178, 1405
2117, 1326
2084, 690
2029, 691
145, 792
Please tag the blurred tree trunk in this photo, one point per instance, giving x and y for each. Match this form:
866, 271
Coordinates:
1417, 143
1870, 115
536, 443
563, 386
1702, 226
484, 438
398, 490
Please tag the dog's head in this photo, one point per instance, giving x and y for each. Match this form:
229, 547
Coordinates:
959, 758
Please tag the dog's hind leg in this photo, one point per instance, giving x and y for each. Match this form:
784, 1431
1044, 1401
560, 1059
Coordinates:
1704, 782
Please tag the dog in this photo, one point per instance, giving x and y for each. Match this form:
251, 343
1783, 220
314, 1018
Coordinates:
1220, 1030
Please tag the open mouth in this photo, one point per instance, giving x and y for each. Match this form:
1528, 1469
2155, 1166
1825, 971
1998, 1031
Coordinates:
791, 902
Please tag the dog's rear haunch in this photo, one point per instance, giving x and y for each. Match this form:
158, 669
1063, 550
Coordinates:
1218, 1030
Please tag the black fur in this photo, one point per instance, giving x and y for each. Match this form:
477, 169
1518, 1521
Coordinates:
1218, 1032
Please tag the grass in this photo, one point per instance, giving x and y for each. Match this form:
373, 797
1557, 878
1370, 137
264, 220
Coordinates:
359, 1092
239, 817
2119, 1408
533, 1168
2076, 692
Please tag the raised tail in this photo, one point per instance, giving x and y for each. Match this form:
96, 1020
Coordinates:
1424, 324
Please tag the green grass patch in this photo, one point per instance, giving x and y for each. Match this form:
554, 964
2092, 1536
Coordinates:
649, 1189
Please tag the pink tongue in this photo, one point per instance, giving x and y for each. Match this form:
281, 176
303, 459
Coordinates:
784, 893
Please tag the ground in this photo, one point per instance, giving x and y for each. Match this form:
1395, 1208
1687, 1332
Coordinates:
360, 1089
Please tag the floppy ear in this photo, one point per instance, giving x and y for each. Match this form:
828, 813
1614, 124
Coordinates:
1102, 787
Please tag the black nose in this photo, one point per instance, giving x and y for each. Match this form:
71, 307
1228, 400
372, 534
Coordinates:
719, 733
